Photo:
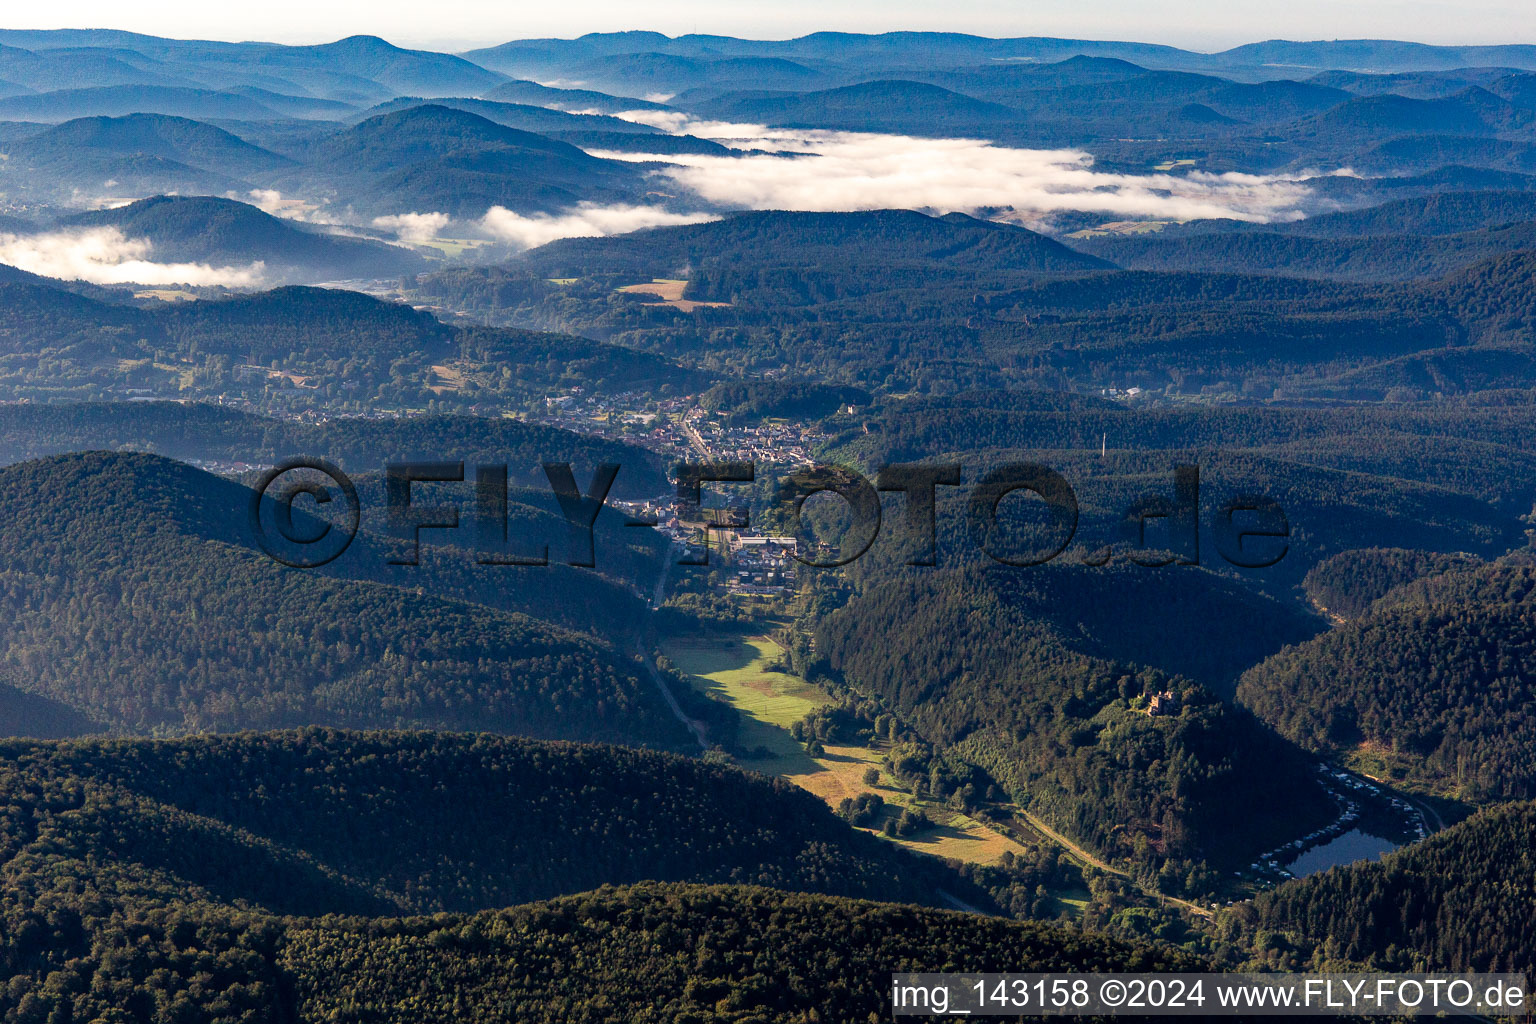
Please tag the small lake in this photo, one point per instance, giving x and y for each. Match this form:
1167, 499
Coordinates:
1346, 849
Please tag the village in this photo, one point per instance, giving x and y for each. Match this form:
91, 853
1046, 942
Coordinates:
679, 428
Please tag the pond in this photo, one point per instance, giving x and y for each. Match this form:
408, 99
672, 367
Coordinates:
1346, 849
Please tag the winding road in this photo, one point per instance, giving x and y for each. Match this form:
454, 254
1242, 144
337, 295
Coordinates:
657, 597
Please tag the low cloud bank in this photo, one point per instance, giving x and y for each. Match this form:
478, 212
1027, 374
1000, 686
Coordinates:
413, 227
828, 171
107, 256
270, 200
526, 231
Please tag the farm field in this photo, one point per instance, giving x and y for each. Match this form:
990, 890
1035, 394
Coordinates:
670, 292
453, 248
734, 669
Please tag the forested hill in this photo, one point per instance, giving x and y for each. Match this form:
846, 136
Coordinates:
673, 953
212, 433
435, 158
977, 664
648, 953
1347, 584
144, 139
1458, 901
1435, 477
892, 238
946, 305
320, 822
605, 600
341, 346
185, 852
1436, 675
204, 229
1371, 258
133, 593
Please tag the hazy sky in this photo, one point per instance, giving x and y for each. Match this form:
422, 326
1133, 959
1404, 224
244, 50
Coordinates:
457, 24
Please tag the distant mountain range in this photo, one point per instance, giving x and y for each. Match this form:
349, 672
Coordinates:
1273, 59
428, 143
359, 69
414, 156
135, 155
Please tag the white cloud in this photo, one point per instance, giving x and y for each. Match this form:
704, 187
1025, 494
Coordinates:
413, 227
107, 256
587, 220
271, 201
833, 171
267, 200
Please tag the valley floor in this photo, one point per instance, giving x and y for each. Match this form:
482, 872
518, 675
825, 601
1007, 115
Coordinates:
736, 670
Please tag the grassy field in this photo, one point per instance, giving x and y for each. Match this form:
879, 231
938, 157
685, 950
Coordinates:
1122, 227
453, 248
451, 379
165, 294
670, 292
735, 670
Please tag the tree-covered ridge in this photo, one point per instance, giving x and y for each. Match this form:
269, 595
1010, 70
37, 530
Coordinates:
1347, 584
1457, 901
651, 953
1042, 419
439, 821
966, 662
143, 883
204, 432
894, 313
432, 157
1402, 257
134, 594
1181, 620
755, 400
307, 321
1447, 213
1434, 673
329, 347
814, 241
1429, 477
606, 599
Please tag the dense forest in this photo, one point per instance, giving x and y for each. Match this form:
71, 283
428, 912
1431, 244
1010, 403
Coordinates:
1434, 673
952, 307
133, 594
1347, 584
144, 883
444, 822
627, 560
203, 229
672, 953
755, 400
1439, 479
